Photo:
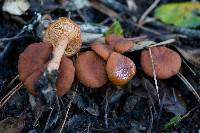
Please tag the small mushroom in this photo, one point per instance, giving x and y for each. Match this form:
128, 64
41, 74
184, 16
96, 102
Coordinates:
112, 39
167, 62
118, 43
102, 50
120, 69
123, 46
90, 70
64, 28
34, 61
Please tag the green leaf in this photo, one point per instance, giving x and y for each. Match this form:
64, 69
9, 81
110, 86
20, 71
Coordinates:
183, 14
173, 121
115, 28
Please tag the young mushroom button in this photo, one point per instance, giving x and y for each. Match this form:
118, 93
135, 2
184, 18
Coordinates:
120, 69
167, 62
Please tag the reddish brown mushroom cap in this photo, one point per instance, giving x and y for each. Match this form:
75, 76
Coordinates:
166, 61
118, 43
32, 64
66, 76
29, 61
90, 70
112, 39
123, 46
102, 50
120, 69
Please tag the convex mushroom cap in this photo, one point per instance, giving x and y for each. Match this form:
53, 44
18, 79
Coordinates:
64, 27
34, 61
118, 43
120, 69
102, 50
90, 69
167, 62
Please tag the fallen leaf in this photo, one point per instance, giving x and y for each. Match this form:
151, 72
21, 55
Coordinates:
179, 14
16, 7
115, 28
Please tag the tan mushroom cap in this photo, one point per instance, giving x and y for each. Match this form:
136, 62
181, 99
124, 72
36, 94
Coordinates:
33, 62
166, 61
90, 70
102, 50
64, 27
120, 69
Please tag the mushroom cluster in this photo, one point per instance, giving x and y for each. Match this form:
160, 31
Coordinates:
106, 63
93, 68
61, 40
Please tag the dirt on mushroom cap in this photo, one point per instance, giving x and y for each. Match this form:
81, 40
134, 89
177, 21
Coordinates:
90, 70
29, 61
64, 27
166, 61
120, 69
28, 65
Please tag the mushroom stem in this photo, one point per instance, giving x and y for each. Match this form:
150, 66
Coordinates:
58, 51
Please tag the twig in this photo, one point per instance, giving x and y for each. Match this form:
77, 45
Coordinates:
163, 43
14, 90
154, 75
160, 111
190, 87
136, 39
68, 108
47, 122
106, 112
194, 73
88, 128
151, 120
12, 81
153, 5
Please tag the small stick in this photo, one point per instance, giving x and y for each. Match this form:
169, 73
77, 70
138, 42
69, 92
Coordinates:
139, 38
68, 108
154, 75
3, 102
190, 87
153, 5
163, 43
12, 81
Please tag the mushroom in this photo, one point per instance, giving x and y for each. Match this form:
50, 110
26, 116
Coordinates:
34, 61
64, 28
118, 43
90, 70
120, 69
65, 36
102, 50
167, 62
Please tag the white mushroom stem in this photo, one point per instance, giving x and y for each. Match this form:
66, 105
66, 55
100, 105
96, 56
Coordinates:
58, 51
